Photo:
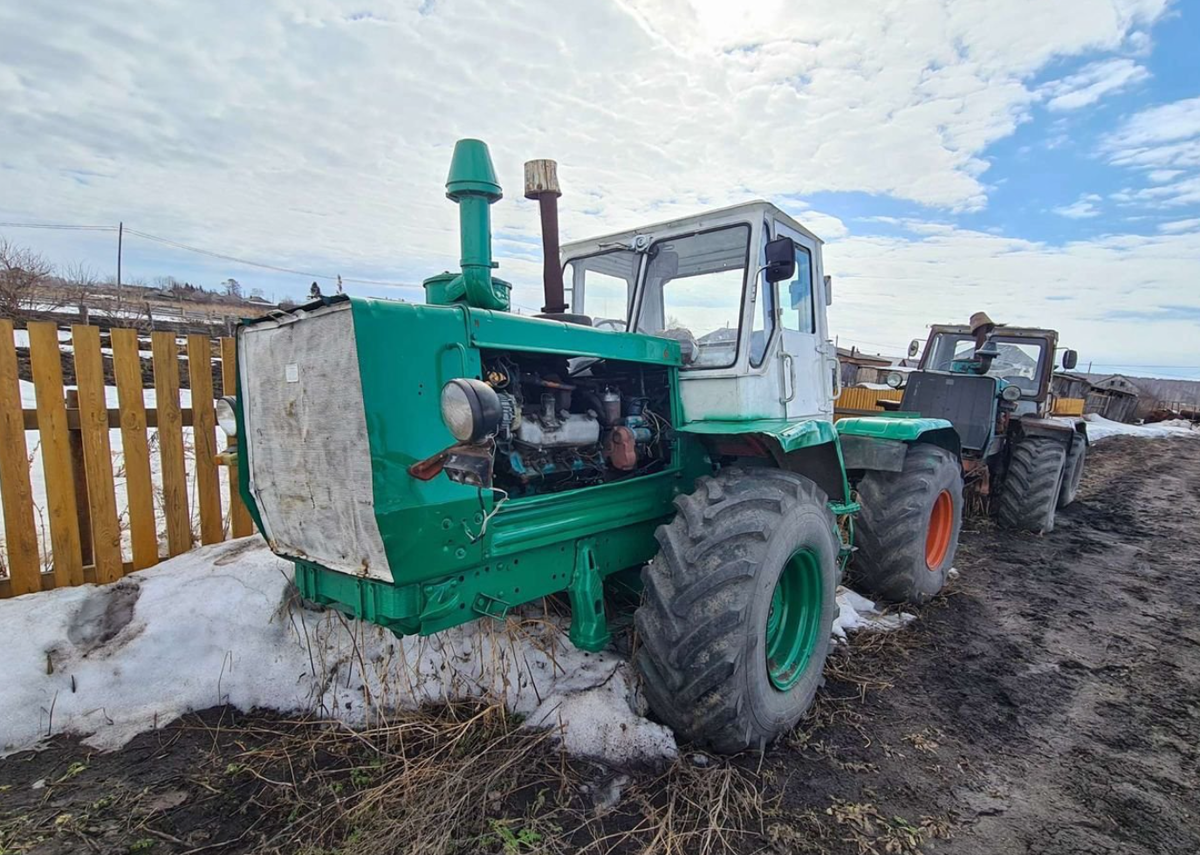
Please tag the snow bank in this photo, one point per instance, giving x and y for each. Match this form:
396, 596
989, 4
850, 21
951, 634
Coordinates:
222, 624
1099, 428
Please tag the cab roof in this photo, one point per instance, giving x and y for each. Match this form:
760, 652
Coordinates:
1001, 329
757, 209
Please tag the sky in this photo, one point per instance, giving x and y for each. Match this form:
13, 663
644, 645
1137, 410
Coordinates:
1038, 161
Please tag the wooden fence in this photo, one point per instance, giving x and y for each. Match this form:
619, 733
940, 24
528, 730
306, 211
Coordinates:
88, 539
859, 401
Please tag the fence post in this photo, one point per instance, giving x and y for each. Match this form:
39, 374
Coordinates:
97, 453
170, 441
204, 438
24, 563
45, 360
79, 479
240, 524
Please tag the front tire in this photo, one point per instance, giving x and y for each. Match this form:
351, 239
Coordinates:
739, 605
1030, 492
907, 531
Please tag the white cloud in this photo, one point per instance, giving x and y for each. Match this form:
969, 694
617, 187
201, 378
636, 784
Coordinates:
1093, 82
1158, 176
1096, 293
1178, 226
287, 131
1160, 138
1082, 208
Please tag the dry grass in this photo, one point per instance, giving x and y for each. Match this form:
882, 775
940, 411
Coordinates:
461, 778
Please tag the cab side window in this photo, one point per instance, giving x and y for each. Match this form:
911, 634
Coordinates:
796, 296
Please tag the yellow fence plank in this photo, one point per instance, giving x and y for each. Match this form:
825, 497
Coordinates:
170, 442
24, 565
46, 367
97, 453
240, 524
139, 487
204, 438
1068, 406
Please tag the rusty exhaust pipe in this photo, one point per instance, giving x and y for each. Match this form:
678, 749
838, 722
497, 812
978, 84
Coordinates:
541, 183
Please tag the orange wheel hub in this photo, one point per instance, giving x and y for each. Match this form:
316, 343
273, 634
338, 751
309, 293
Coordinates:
941, 523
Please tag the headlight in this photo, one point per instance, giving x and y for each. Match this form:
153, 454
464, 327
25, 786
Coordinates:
894, 379
470, 409
227, 415
1011, 393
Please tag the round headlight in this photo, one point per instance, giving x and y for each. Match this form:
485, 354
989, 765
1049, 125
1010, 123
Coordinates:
894, 379
470, 409
227, 415
1011, 393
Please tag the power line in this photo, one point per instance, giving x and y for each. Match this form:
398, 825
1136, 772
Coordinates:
209, 253
58, 226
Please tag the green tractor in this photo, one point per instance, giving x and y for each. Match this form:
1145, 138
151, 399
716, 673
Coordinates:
428, 465
993, 384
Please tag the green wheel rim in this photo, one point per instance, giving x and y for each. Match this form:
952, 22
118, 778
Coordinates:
793, 623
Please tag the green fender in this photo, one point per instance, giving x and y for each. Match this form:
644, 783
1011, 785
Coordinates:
809, 447
879, 442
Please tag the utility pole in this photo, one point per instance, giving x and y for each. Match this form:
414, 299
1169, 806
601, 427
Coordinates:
1089, 371
120, 240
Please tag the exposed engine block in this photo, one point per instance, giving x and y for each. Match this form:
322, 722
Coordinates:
565, 426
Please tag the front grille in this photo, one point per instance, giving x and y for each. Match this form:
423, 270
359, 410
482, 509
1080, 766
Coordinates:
967, 401
306, 441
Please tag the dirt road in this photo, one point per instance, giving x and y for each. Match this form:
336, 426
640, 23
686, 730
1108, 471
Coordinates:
1049, 704
1054, 703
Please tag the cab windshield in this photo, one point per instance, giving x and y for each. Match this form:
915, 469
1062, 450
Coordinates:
693, 292
1019, 361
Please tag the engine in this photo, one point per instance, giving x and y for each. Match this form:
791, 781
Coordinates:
568, 423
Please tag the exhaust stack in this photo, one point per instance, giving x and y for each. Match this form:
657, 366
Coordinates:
541, 183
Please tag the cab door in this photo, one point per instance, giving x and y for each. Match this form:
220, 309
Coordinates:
806, 369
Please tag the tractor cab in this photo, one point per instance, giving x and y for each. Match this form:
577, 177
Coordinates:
743, 291
979, 378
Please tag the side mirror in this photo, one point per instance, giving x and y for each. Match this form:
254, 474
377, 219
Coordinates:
914, 347
1070, 359
781, 259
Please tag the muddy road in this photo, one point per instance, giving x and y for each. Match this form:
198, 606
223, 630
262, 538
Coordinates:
1050, 703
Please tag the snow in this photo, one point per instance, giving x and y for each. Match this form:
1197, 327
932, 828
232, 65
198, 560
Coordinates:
1099, 428
222, 624
857, 612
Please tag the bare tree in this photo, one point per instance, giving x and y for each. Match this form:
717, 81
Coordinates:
24, 277
233, 288
81, 285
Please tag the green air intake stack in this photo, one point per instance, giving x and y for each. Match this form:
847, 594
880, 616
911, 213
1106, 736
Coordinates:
472, 185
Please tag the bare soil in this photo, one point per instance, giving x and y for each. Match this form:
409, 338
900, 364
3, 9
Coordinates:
1050, 703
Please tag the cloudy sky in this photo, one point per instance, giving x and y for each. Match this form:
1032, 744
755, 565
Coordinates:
1038, 160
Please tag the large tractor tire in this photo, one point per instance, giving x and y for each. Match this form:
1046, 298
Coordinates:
1029, 494
1073, 472
907, 531
738, 609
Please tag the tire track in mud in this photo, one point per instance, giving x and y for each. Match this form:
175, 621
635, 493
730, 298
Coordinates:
1076, 690
1050, 702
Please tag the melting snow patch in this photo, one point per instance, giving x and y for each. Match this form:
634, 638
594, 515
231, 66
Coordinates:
857, 612
1099, 428
222, 624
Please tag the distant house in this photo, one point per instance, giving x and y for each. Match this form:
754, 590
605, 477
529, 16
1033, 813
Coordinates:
1115, 398
1066, 385
858, 367
259, 300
